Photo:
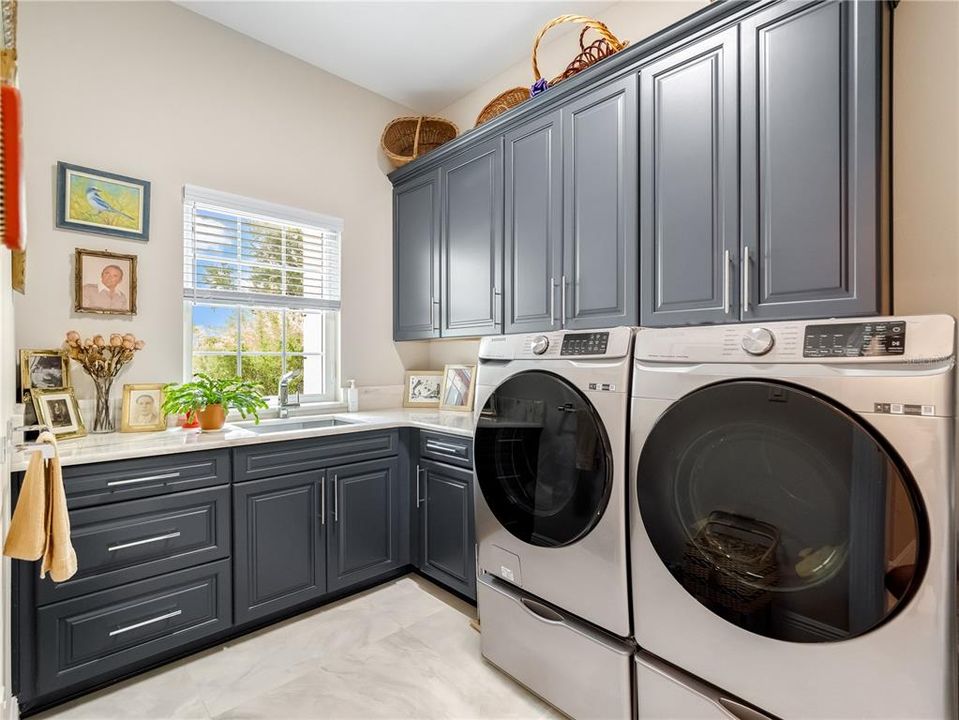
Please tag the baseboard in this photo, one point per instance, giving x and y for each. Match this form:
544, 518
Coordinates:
10, 709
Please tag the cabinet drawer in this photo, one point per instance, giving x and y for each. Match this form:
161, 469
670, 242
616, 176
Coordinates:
260, 461
452, 449
127, 479
133, 540
114, 630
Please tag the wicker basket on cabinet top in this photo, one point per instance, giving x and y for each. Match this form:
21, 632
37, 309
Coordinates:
407, 138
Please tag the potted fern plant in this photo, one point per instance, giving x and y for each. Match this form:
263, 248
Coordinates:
209, 400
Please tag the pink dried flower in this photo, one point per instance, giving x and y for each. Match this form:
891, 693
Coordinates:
73, 336
138, 345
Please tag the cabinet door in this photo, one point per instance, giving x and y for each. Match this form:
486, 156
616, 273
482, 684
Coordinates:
472, 242
689, 184
279, 546
810, 144
533, 226
600, 198
363, 521
416, 258
447, 542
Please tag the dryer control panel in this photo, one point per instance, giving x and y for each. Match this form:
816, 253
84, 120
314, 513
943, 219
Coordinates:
592, 343
869, 339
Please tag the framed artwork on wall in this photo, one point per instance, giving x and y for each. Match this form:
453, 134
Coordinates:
423, 388
142, 408
101, 202
458, 388
105, 283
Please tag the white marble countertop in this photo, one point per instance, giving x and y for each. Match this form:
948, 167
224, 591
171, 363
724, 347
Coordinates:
122, 446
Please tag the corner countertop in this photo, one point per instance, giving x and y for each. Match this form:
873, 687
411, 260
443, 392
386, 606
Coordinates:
123, 446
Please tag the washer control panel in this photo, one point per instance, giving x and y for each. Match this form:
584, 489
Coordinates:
593, 343
870, 339
758, 341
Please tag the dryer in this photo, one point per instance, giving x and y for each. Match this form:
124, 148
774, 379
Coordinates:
792, 514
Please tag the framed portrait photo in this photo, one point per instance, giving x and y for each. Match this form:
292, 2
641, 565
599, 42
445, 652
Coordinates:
57, 409
458, 388
105, 283
142, 408
101, 202
423, 388
43, 370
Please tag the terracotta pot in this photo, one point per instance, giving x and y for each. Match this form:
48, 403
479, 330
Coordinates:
212, 417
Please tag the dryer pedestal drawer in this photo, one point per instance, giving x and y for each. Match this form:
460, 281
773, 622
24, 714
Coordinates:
582, 671
113, 630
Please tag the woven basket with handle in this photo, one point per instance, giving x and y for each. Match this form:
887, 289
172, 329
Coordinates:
591, 54
407, 138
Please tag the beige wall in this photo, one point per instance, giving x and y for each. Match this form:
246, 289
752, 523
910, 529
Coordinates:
154, 91
926, 157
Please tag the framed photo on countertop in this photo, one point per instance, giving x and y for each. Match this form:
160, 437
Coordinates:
423, 388
458, 388
142, 408
58, 410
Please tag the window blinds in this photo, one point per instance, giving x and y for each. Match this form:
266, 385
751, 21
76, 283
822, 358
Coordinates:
238, 250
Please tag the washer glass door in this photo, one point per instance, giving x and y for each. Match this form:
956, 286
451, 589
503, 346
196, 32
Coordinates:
782, 512
542, 459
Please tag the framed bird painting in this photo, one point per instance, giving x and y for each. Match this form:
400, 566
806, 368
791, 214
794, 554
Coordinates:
101, 202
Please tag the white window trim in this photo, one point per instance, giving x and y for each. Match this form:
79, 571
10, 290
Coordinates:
195, 193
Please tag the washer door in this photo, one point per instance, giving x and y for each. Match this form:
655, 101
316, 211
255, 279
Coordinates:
542, 459
782, 512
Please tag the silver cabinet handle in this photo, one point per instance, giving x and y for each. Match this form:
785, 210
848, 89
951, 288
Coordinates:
745, 279
726, 282
158, 618
148, 478
541, 612
434, 321
336, 499
552, 301
442, 447
323, 500
418, 471
158, 538
562, 300
495, 298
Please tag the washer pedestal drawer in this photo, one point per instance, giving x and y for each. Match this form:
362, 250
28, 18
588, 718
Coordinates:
579, 669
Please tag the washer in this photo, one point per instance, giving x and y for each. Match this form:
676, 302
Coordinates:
549, 450
792, 513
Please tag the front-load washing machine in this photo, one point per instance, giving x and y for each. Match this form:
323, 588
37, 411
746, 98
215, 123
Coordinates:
550, 464
792, 513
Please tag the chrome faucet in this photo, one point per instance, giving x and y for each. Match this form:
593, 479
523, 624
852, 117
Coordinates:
283, 393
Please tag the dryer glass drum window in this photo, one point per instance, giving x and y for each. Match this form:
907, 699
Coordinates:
781, 512
542, 459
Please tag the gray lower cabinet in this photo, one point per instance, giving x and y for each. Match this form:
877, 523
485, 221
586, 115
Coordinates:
471, 242
533, 257
416, 258
364, 538
811, 144
689, 184
599, 285
279, 543
444, 502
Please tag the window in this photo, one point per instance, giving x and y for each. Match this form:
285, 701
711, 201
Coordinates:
261, 288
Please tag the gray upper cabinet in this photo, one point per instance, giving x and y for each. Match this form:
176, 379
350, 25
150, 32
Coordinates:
471, 241
533, 225
810, 160
689, 184
416, 258
600, 200
364, 521
279, 554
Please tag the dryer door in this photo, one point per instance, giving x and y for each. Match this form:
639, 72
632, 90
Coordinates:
781, 511
542, 459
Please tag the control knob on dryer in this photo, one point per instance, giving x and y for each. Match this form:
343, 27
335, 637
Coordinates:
540, 344
758, 341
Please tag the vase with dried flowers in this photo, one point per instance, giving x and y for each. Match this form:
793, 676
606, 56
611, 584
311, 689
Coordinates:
102, 359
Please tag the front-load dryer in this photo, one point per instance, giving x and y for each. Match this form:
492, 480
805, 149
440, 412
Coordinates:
792, 513
549, 458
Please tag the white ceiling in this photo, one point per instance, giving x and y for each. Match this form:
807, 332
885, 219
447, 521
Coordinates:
424, 55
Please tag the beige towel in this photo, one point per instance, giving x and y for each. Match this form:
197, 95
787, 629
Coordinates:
40, 526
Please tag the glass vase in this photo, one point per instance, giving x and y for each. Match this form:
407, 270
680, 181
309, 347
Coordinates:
104, 420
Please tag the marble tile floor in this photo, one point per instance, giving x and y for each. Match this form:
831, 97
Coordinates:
400, 650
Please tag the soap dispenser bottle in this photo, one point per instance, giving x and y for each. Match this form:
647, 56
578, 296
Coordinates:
352, 397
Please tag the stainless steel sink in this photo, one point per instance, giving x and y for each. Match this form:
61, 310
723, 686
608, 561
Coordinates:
293, 424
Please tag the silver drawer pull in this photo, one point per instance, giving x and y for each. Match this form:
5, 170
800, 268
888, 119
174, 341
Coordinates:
134, 626
158, 538
443, 448
148, 478
541, 612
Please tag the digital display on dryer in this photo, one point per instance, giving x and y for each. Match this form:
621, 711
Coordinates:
855, 339
585, 344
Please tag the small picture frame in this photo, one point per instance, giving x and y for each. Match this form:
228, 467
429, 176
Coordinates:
423, 388
458, 388
58, 410
43, 370
104, 283
104, 203
142, 408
